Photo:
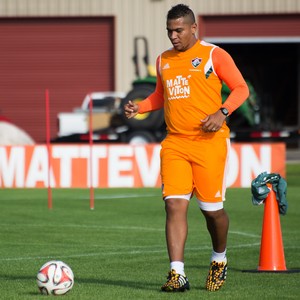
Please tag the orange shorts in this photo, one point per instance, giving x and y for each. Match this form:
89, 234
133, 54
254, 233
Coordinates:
195, 165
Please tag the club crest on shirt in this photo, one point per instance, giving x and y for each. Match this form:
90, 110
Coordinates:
196, 62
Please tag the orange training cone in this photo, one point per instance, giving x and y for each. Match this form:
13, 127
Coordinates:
271, 248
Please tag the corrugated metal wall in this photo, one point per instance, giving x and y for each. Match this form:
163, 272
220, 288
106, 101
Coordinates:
69, 56
247, 28
140, 17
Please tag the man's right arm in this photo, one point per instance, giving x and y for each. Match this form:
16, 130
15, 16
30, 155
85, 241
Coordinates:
154, 101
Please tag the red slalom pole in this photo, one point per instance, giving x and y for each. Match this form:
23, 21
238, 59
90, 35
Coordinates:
47, 104
92, 198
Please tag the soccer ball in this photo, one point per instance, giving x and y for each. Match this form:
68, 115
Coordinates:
55, 278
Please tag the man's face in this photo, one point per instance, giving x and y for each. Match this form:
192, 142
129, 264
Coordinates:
181, 33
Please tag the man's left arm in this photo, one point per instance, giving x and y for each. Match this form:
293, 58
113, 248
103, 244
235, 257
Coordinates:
227, 71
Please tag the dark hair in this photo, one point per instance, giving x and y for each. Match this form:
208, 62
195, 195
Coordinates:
181, 11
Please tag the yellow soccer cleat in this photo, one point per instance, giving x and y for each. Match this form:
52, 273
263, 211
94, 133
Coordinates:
176, 283
216, 276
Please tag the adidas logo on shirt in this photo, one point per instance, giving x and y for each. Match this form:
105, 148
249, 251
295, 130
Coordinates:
166, 66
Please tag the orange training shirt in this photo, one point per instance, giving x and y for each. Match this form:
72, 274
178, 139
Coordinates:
189, 88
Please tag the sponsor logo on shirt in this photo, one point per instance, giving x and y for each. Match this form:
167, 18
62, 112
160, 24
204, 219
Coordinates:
178, 87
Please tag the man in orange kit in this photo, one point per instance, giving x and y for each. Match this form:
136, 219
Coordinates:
194, 155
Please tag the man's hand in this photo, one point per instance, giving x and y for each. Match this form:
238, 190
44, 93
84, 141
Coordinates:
130, 109
214, 122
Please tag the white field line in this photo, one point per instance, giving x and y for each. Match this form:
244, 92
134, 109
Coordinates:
138, 228
112, 253
125, 196
107, 252
106, 197
244, 234
135, 252
142, 251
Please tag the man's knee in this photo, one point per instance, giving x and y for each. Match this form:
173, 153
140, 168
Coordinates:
173, 205
215, 215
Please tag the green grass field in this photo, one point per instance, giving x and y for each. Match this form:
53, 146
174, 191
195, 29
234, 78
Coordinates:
117, 251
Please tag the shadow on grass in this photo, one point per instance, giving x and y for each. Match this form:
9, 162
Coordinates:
120, 283
19, 277
142, 285
145, 286
248, 270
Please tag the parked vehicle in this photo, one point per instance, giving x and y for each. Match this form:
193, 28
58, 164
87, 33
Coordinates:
109, 124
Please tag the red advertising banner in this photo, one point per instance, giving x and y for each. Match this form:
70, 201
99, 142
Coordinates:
120, 165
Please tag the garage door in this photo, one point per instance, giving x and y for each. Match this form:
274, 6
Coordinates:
266, 50
68, 56
257, 28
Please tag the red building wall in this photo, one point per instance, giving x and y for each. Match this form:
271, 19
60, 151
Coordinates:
68, 56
